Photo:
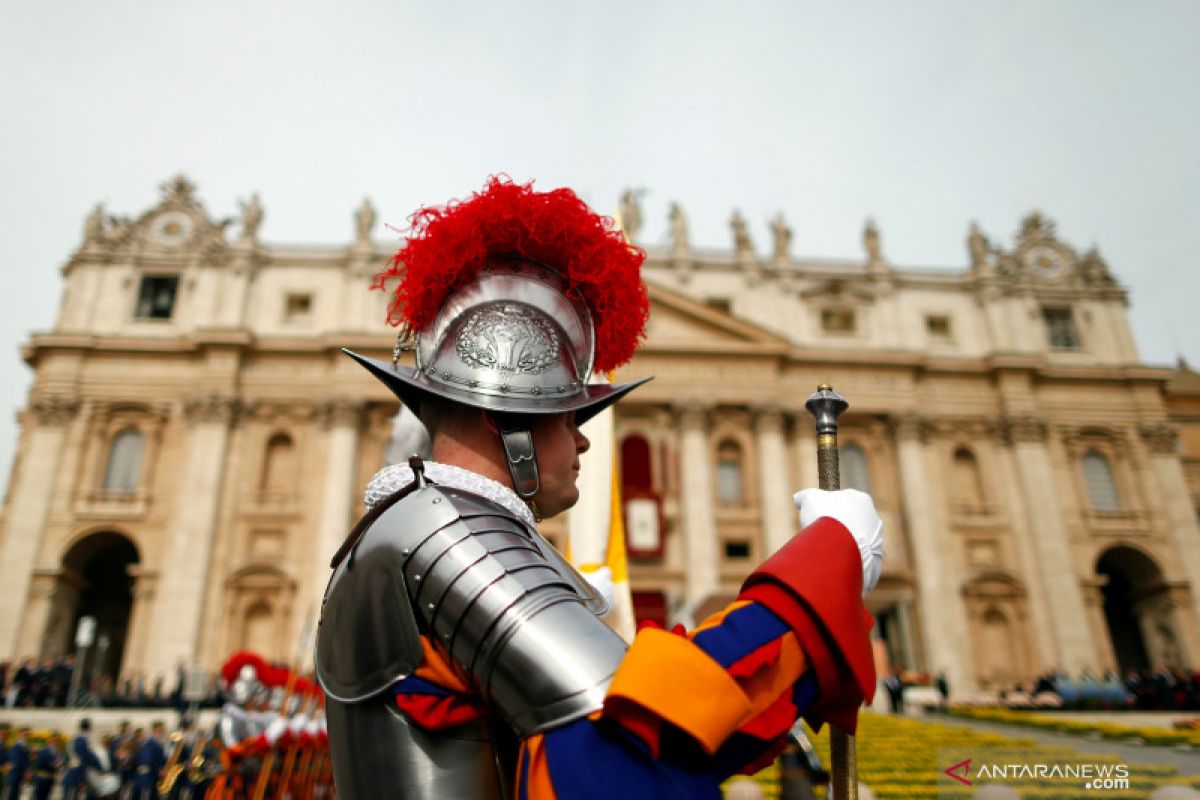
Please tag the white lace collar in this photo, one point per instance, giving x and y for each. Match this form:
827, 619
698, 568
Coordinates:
394, 478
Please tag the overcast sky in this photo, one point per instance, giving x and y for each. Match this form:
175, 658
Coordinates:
922, 115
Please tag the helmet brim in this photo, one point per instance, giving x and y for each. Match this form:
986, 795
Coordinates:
412, 387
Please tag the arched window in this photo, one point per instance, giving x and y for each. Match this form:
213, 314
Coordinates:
124, 461
635, 465
853, 468
730, 488
967, 482
258, 629
1102, 489
278, 468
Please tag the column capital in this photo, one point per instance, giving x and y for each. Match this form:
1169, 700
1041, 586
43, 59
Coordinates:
912, 426
340, 412
212, 407
1025, 428
1162, 438
692, 412
769, 417
51, 410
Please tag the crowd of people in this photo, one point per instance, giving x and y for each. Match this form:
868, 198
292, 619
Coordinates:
1151, 689
47, 684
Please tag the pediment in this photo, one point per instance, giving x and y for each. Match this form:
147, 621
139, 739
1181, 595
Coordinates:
678, 320
177, 223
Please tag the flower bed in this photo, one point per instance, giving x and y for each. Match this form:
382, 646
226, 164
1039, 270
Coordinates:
1163, 737
900, 759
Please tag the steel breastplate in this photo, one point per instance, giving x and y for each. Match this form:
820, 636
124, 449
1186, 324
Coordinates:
498, 597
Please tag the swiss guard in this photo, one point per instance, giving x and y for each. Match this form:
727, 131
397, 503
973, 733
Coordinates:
460, 654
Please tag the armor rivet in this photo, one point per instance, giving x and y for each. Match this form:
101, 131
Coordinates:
437, 500
416, 577
432, 606
504, 387
472, 383
536, 390
405, 551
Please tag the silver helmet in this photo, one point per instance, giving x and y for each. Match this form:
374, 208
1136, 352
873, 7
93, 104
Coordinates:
510, 300
514, 340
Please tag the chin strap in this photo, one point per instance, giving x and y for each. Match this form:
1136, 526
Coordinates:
522, 461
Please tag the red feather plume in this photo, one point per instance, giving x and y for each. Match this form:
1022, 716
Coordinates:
265, 673
448, 245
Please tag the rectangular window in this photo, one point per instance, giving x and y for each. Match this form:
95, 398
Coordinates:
837, 320
737, 549
297, 307
938, 326
1060, 328
156, 297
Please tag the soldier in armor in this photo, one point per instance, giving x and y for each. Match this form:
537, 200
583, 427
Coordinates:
461, 655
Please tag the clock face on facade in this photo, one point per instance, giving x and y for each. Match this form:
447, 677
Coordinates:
1043, 261
172, 228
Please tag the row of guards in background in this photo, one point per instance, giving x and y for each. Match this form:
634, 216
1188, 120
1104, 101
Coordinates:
273, 733
269, 744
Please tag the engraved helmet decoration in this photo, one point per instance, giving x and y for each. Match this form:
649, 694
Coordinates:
510, 300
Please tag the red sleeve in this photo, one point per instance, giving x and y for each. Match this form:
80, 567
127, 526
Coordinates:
814, 583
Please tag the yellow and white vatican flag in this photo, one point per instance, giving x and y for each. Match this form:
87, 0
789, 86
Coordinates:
595, 529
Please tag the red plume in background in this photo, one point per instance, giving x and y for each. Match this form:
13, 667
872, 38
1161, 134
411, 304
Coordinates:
448, 245
266, 674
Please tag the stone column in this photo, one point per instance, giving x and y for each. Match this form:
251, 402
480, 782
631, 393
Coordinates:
175, 633
804, 451
342, 420
938, 574
778, 511
1045, 649
29, 501
140, 615
701, 555
1093, 599
1161, 439
42, 630
1046, 529
912, 654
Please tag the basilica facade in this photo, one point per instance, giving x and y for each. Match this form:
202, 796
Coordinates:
195, 446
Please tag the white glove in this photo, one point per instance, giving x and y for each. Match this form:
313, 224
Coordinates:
276, 729
854, 510
601, 580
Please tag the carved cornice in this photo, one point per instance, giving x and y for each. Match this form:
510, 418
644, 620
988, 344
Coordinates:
275, 410
1078, 439
1162, 438
211, 408
54, 409
973, 428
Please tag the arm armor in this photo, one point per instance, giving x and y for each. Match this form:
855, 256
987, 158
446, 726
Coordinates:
495, 594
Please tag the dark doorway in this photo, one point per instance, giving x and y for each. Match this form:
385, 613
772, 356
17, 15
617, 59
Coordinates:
1131, 576
102, 562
